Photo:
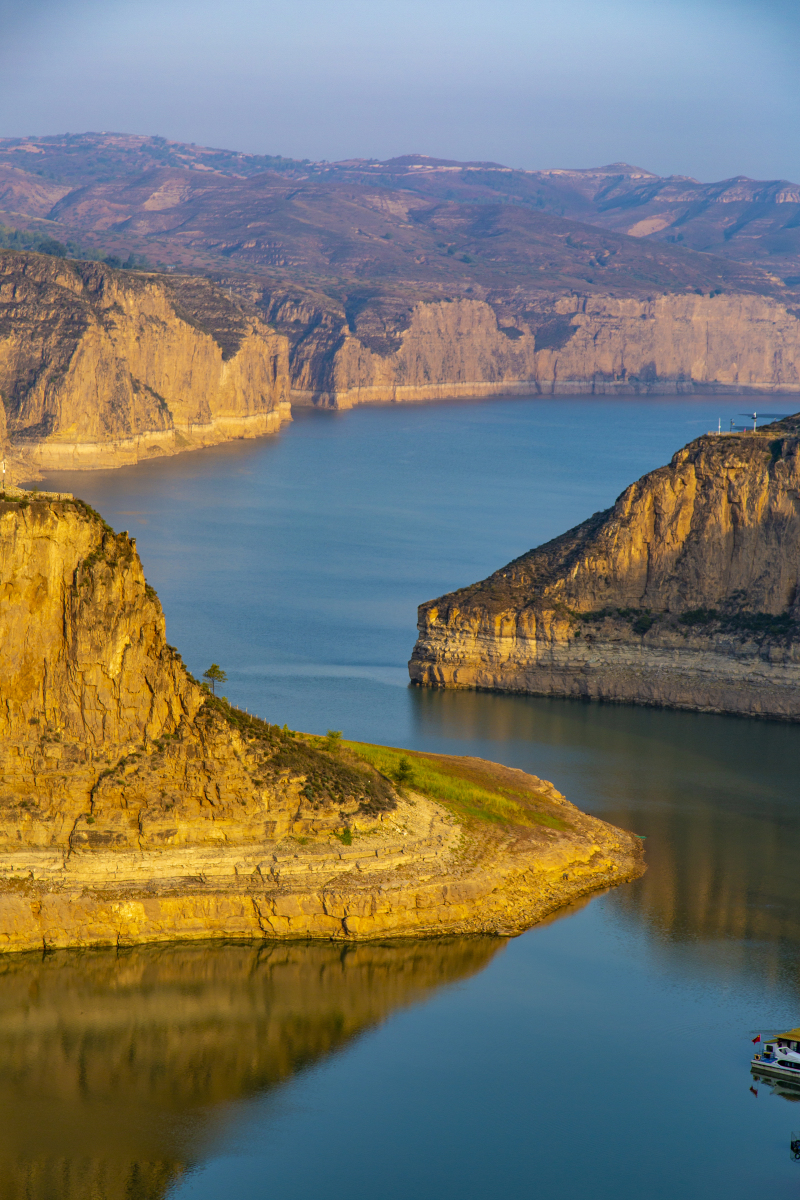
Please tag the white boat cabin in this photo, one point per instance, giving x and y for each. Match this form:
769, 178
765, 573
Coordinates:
781, 1053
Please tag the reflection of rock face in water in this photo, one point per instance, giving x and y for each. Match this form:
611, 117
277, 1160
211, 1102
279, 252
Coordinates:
114, 1068
715, 796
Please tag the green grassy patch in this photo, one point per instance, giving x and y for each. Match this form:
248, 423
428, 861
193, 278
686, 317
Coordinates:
468, 792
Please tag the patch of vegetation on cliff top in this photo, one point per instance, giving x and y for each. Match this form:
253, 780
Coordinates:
91, 513
39, 242
467, 790
329, 777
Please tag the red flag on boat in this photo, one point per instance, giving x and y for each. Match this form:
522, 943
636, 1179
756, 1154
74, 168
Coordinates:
756, 1039
753, 1090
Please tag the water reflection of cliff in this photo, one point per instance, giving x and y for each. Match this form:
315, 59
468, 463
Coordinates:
116, 1071
716, 797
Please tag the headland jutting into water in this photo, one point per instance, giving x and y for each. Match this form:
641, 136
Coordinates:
135, 806
686, 593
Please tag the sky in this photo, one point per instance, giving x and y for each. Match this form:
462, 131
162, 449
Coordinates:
707, 88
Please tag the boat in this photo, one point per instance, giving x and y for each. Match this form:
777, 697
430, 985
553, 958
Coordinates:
780, 1058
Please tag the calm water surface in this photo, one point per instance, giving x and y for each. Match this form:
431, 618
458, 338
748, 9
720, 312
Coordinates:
604, 1054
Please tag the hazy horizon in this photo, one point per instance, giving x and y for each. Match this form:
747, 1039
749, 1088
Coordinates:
707, 90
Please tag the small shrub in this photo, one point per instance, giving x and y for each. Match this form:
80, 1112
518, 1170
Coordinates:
333, 741
345, 838
404, 774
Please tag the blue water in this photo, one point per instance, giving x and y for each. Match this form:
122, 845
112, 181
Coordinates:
604, 1054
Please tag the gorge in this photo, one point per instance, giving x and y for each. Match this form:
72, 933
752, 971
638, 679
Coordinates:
279, 282
101, 367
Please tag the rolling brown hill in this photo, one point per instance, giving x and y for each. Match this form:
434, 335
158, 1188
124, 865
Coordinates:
199, 205
419, 278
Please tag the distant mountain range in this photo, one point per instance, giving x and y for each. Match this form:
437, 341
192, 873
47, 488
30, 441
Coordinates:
423, 223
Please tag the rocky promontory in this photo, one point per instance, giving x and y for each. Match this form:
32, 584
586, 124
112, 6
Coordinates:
135, 806
101, 368
684, 594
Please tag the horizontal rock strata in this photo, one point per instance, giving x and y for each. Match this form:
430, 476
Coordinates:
685, 593
136, 807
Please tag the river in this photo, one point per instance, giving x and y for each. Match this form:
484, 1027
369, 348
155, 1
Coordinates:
604, 1054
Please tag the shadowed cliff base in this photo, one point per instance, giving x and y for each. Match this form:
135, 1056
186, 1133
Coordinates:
120, 1071
135, 806
684, 594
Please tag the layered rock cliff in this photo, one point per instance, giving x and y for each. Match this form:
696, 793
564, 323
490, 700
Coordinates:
100, 368
685, 593
136, 807
380, 350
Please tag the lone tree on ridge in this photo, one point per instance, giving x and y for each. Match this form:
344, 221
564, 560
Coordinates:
215, 675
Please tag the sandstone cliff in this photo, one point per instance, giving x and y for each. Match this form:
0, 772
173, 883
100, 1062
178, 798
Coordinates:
443, 348
100, 368
136, 807
685, 593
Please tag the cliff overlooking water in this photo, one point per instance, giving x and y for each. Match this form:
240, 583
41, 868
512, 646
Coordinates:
342, 284
134, 806
404, 349
684, 593
100, 368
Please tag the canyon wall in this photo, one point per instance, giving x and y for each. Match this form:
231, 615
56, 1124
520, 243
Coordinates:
685, 593
101, 368
591, 344
135, 806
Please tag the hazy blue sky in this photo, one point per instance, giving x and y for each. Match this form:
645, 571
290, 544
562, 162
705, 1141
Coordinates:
707, 88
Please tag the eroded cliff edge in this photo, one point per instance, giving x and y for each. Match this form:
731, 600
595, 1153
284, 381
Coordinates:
684, 594
410, 348
135, 807
101, 368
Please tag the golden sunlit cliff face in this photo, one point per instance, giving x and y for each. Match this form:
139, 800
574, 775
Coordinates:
136, 807
118, 1070
102, 367
685, 593
600, 345
99, 368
